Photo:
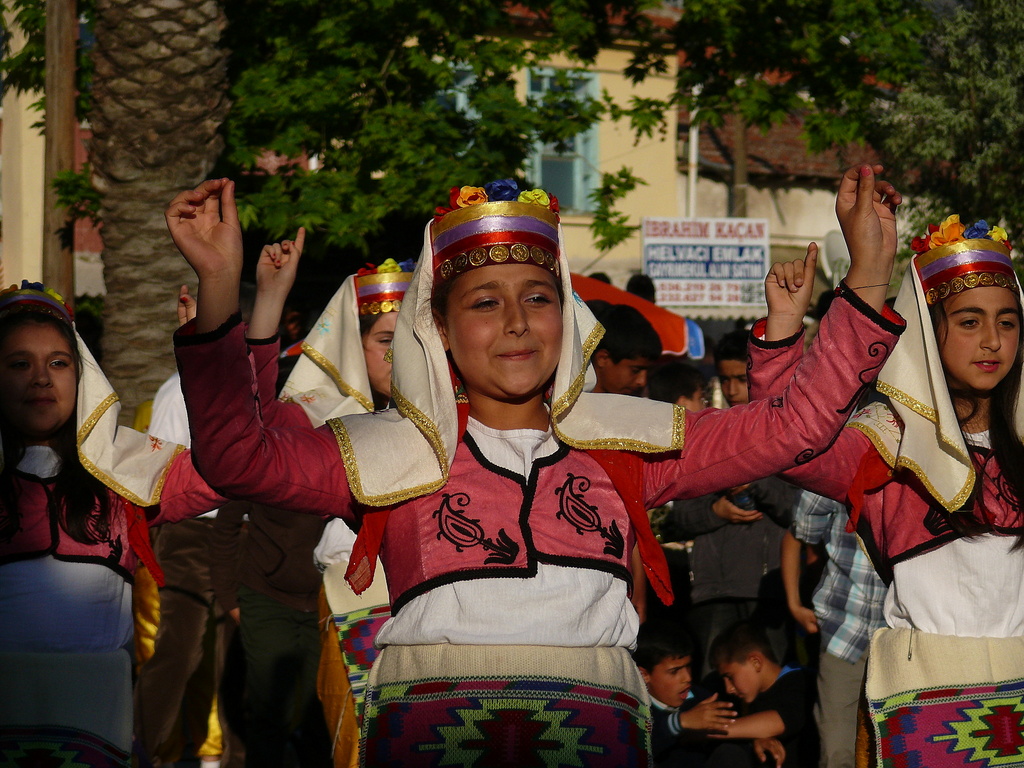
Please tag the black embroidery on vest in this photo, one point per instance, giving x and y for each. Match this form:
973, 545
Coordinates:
584, 517
936, 523
465, 532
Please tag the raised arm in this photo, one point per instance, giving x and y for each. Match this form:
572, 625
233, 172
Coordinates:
298, 469
203, 223
735, 446
275, 275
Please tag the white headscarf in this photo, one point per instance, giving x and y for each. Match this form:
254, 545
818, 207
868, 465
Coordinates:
329, 380
422, 431
930, 443
130, 463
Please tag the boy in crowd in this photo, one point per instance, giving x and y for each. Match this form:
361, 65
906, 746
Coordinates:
682, 715
678, 383
775, 699
629, 349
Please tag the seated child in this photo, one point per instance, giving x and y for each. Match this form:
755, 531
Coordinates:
776, 698
681, 715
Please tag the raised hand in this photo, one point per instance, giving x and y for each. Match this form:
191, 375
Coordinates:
866, 209
203, 223
278, 265
275, 276
787, 290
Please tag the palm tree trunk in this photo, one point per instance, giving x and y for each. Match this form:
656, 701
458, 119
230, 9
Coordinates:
160, 95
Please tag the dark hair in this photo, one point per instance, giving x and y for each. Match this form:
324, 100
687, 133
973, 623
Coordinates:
737, 641
732, 346
657, 641
600, 276
79, 501
641, 285
627, 334
671, 381
366, 322
1007, 448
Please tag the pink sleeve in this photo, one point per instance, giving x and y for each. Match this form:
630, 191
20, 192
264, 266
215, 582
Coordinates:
771, 364
297, 469
265, 355
742, 444
185, 494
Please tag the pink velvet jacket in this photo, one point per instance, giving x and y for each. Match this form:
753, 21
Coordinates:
301, 469
892, 512
39, 533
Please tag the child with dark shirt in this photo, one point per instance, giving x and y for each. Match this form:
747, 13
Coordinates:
775, 699
682, 715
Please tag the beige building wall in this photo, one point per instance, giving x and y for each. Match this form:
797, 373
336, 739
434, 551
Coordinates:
21, 185
652, 159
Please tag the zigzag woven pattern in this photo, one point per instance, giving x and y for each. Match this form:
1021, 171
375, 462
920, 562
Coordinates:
979, 726
498, 723
356, 631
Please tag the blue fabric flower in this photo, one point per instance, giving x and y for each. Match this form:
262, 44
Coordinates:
502, 190
977, 231
408, 265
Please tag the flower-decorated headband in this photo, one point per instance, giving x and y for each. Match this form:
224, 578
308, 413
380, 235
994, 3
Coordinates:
493, 224
952, 258
34, 297
381, 289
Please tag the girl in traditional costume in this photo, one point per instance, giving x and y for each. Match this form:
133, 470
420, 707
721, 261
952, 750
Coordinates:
932, 470
503, 500
73, 488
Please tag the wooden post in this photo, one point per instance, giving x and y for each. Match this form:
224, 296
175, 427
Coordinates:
61, 129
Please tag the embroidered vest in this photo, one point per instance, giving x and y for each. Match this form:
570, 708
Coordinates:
495, 523
35, 532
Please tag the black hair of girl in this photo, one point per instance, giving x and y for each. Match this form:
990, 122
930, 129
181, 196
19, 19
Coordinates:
1007, 447
79, 502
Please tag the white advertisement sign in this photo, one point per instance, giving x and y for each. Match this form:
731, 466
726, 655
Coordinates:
707, 262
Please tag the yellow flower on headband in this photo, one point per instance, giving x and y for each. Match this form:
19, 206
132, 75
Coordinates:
536, 196
470, 196
53, 294
389, 265
998, 234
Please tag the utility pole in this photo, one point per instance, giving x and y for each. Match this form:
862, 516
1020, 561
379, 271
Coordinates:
61, 128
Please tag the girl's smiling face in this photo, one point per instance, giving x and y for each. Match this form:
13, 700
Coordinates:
979, 337
502, 326
38, 380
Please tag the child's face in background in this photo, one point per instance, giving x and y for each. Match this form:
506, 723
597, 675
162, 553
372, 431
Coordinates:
375, 344
503, 327
979, 338
38, 381
732, 374
742, 678
669, 681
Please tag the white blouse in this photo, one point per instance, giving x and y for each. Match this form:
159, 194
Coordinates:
969, 587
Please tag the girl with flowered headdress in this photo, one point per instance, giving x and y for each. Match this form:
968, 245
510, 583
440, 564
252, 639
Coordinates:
932, 468
77, 494
503, 500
